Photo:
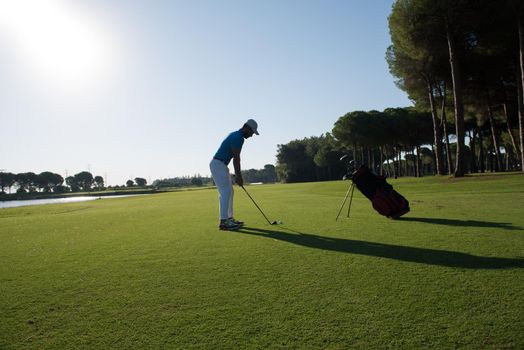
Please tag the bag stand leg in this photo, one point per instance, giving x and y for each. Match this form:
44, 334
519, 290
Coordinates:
351, 189
351, 197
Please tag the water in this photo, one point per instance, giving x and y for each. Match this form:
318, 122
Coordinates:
21, 203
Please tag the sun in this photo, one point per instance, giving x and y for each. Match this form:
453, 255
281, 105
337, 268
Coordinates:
55, 41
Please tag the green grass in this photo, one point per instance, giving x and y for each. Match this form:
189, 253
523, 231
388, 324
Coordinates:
154, 272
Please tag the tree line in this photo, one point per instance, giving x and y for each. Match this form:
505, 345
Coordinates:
463, 60
183, 181
48, 182
461, 64
266, 175
389, 142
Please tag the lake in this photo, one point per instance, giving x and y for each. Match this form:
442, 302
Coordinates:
20, 203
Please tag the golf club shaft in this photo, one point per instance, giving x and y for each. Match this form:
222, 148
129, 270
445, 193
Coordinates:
351, 197
255, 203
344, 202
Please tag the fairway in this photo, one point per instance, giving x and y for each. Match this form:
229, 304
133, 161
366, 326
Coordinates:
154, 272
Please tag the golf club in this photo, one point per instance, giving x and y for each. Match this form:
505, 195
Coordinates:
351, 189
350, 166
269, 222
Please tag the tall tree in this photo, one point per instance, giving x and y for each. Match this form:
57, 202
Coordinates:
26, 182
417, 63
445, 23
7, 180
141, 182
518, 8
84, 180
98, 181
49, 180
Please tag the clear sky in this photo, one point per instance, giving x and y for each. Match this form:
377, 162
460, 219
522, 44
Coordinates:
126, 88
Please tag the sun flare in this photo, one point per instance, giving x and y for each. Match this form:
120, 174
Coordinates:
56, 41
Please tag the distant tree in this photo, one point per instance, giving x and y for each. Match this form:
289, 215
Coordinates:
26, 182
164, 183
196, 181
7, 180
328, 156
141, 182
345, 131
84, 180
72, 183
426, 159
98, 182
181, 181
60, 189
269, 174
312, 158
129, 183
49, 181
266, 175
56, 182
41, 183
293, 163
251, 176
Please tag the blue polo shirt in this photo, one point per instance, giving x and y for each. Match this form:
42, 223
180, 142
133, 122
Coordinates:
225, 151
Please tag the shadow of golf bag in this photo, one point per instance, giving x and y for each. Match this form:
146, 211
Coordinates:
383, 197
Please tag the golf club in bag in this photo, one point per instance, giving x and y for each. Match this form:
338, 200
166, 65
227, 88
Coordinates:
351, 189
277, 222
384, 199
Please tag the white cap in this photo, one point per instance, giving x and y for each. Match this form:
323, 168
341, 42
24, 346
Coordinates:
253, 125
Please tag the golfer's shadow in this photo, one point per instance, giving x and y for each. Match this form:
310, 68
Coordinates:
465, 223
390, 251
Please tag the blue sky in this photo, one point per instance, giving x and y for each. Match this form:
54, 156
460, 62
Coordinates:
149, 89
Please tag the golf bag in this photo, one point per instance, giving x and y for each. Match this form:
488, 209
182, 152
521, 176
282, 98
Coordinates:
383, 197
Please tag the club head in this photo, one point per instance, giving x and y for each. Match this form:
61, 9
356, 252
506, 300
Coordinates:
277, 222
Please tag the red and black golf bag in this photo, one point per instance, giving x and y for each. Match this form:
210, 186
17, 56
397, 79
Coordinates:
383, 197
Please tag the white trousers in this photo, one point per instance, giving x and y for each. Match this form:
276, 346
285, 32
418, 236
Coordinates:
222, 178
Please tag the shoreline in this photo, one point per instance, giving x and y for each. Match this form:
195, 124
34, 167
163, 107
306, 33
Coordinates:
36, 196
40, 195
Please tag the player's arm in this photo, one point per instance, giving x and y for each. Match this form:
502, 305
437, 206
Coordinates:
236, 165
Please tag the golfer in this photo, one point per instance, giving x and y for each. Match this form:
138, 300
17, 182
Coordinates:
230, 149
